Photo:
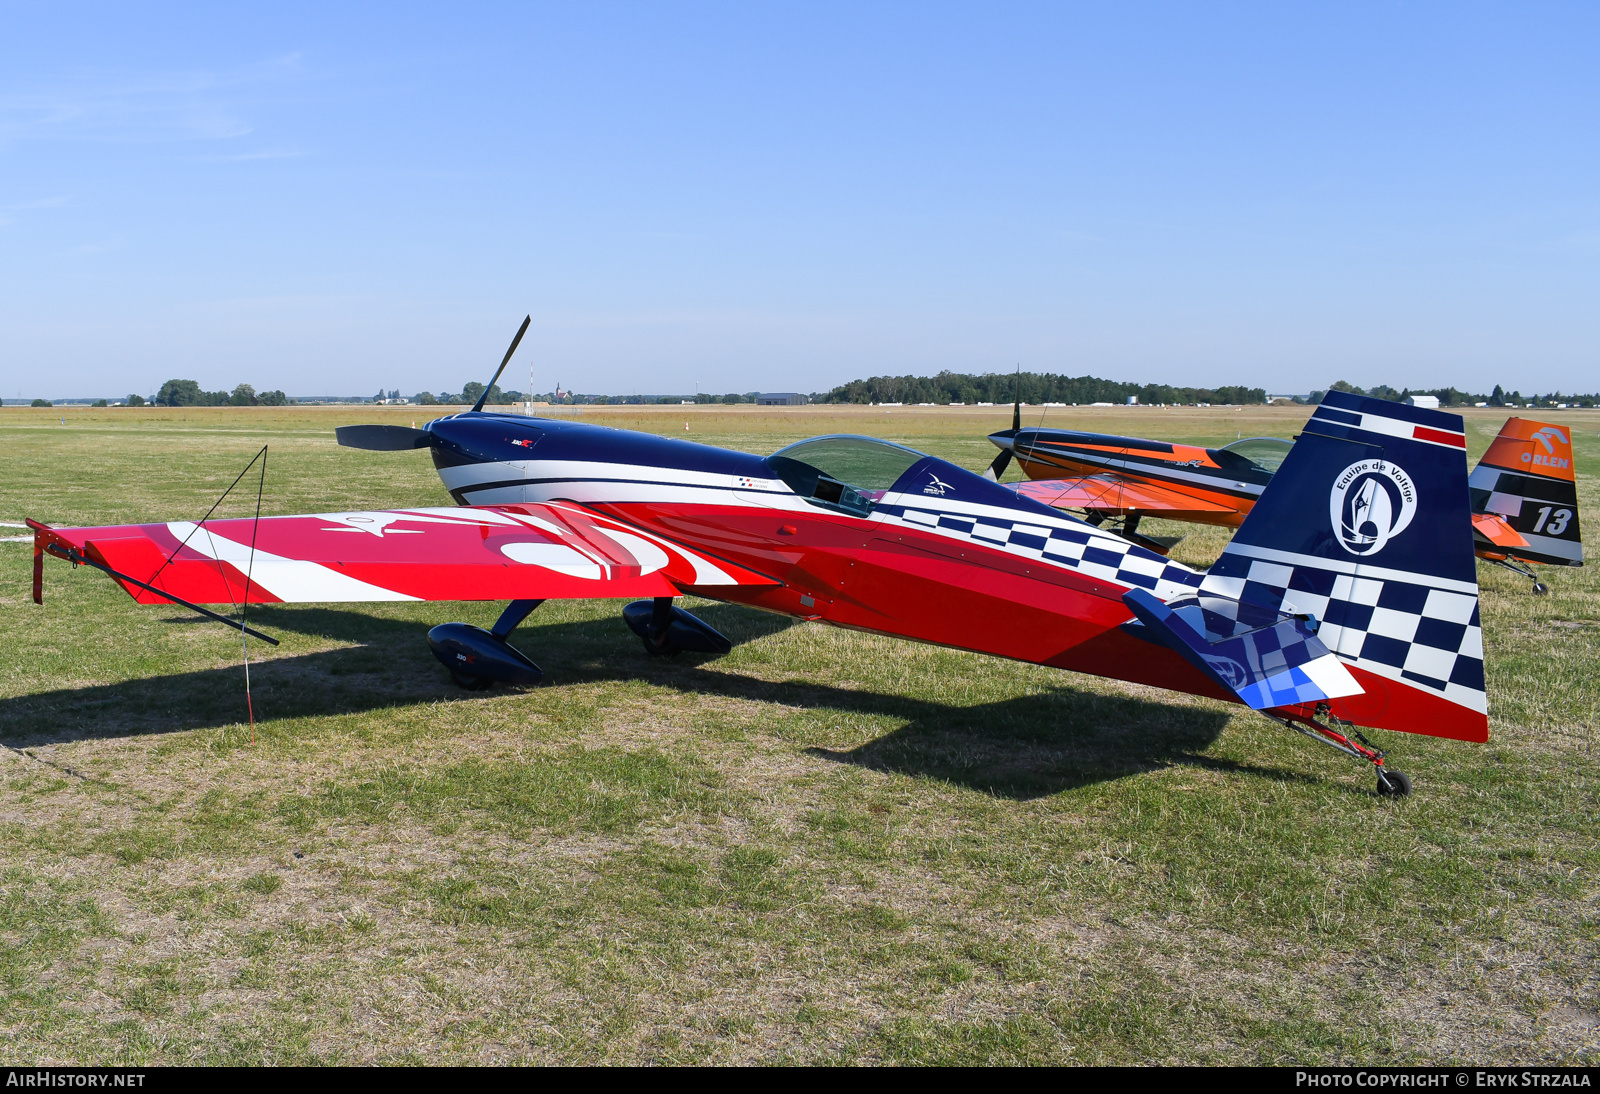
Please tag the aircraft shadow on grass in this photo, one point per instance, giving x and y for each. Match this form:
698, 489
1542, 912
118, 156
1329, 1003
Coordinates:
1023, 747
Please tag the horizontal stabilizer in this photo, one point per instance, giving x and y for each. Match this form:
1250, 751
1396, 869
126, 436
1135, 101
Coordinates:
1266, 658
1367, 526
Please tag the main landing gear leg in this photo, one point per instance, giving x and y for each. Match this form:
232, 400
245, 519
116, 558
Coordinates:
656, 642
1391, 784
477, 658
1539, 587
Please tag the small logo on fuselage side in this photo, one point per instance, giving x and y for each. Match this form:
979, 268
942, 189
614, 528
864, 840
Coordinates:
937, 487
1371, 502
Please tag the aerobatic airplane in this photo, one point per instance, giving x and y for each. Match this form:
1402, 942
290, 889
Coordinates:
1348, 597
1524, 493
1525, 500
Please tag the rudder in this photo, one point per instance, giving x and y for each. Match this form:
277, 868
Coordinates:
1527, 480
1367, 527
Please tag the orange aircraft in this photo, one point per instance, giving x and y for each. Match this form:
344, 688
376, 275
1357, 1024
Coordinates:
1525, 500
1524, 493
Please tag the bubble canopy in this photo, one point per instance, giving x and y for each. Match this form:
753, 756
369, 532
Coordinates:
843, 471
1267, 453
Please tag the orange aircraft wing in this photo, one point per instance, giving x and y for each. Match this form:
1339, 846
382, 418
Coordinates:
1104, 492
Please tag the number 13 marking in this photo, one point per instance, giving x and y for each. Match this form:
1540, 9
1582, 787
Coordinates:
1558, 523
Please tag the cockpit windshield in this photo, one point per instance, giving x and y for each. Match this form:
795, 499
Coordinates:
1266, 453
842, 471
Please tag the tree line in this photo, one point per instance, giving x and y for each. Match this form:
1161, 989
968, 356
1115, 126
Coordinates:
1031, 387
946, 387
189, 393
470, 392
1449, 396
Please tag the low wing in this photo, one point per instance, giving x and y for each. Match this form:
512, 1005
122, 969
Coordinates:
512, 552
1108, 492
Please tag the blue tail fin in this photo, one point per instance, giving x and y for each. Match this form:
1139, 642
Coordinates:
1368, 527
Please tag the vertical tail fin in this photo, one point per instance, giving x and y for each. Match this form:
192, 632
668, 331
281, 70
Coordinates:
1526, 479
1367, 526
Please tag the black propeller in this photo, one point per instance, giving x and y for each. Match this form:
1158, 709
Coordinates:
504, 361
399, 438
383, 438
1003, 461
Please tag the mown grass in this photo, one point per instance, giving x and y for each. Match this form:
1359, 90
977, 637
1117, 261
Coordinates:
824, 847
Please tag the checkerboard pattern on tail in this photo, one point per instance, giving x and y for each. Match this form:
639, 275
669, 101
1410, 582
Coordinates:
1266, 658
1527, 480
1367, 528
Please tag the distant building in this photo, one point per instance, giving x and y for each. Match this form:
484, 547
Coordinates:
781, 398
1428, 402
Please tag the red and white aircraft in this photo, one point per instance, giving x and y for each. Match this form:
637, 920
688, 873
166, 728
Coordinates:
1348, 597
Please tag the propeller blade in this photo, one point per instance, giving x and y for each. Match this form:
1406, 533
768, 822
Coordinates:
998, 467
504, 361
1016, 407
383, 438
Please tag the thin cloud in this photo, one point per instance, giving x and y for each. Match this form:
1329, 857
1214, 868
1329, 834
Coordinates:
37, 203
100, 246
137, 108
6, 211
263, 154
1580, 241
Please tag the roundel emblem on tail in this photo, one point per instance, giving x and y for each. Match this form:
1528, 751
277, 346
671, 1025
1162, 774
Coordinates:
1371, 503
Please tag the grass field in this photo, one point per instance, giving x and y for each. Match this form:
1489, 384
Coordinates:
823, 847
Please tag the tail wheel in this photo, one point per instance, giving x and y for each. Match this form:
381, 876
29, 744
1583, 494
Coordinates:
1540, 588
1393, 784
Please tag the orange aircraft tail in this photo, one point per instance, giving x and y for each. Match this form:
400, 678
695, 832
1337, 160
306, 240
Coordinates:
1525, 496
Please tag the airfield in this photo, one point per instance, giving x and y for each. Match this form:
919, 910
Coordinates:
824, 847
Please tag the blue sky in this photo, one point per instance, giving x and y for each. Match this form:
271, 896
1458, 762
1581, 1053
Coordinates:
333, 198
